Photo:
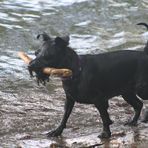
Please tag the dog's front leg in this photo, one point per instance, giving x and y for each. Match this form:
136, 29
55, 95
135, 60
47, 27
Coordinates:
69, 103
102, 106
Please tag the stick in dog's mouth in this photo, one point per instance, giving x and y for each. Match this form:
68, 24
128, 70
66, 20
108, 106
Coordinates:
49, 71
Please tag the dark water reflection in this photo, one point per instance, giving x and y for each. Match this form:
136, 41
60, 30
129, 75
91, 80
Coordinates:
28, 111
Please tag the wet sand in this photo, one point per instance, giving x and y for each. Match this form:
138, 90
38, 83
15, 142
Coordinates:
28, 114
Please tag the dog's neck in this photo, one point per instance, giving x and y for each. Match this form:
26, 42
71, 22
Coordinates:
72, 61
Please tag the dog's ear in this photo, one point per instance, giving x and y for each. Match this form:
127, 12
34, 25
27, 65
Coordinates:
44, 35
62, 41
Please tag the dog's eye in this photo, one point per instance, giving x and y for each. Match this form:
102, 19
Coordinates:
37, 52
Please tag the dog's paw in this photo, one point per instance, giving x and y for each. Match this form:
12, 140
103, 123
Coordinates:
131, 123
104, 134
55, 133
144, 120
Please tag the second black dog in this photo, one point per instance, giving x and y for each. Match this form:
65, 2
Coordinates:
95, 79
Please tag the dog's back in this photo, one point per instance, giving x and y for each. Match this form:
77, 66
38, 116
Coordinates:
110, 74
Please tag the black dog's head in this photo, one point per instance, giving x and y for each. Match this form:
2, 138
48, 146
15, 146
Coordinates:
50, 54
50, 49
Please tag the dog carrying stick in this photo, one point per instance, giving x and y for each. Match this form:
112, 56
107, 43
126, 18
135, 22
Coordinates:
47, 70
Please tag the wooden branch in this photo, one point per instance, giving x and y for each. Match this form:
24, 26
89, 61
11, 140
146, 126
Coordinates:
24, 57
47, 70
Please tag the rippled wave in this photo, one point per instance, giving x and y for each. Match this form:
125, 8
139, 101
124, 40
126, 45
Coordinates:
94, 26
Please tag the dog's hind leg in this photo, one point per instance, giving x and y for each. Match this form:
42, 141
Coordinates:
143, 94
102, 106
69, 103
133, 100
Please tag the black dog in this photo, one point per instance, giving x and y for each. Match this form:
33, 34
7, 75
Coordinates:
95, 79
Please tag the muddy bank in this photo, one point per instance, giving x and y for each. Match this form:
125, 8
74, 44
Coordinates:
27, 114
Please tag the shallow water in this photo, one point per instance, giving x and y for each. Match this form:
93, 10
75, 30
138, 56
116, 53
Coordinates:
28, 111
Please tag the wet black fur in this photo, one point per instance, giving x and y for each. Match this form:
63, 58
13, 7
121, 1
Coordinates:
96, 78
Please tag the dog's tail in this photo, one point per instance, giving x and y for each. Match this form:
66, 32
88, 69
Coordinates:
146, 47
144, 24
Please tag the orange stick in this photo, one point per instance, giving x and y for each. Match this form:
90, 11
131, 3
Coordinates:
47, 70
24, 57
